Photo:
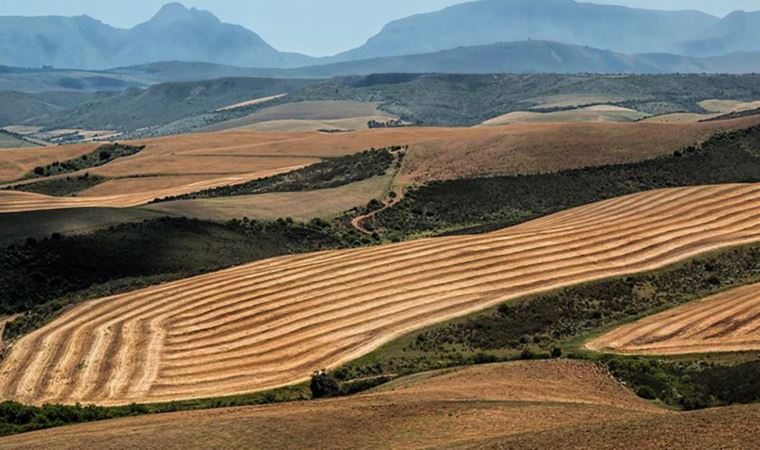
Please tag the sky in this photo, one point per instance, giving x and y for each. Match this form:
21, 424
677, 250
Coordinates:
313, 27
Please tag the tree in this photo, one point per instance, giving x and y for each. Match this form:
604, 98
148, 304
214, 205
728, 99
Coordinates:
323, 385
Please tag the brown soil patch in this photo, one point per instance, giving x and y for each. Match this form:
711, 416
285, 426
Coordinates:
273, 322
445, 408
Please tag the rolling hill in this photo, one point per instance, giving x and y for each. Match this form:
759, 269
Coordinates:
726, 322
162, 103
274, 322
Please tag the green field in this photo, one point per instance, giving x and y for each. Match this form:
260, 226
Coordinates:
10, 141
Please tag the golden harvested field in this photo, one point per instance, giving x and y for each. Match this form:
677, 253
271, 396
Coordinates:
435, 153
461, 407
273, 322
350, 124
548, 147
255, 101
15, 201
726, 322
728, 106
599, 113
309, 111
323, 203
14, 164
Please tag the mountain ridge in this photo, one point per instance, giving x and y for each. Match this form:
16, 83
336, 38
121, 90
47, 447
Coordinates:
173, 33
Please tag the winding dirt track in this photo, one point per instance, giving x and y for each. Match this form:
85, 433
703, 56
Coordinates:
726, 322
273, 322
16, 201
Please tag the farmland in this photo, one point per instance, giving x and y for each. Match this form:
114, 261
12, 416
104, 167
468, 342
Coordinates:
199, 331
527, 404
726, 322
519, 395
178, 165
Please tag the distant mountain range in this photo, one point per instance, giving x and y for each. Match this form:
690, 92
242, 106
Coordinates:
514, 57
532, 57
477, 37
174, 33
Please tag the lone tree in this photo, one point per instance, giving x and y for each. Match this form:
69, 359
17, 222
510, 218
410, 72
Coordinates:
323, 385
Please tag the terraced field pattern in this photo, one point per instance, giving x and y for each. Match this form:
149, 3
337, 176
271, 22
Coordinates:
726, 322
274, 322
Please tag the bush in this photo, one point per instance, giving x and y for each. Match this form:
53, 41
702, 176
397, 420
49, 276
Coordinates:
323, 385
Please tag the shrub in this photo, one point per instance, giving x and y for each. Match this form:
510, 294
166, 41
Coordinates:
323, 385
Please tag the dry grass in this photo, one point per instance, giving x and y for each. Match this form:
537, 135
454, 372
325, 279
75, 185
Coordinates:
273, 322
728, 106
15, 164
323, 203
351, 124
310, 111
16, 201
431, 410
212, 159
601, 113
735, 427
727, 322
548, 147
255, 101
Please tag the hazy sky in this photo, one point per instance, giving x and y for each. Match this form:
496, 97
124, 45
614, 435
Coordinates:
314, 27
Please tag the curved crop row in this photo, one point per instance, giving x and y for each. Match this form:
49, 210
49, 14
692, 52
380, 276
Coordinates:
273, 322
726, 322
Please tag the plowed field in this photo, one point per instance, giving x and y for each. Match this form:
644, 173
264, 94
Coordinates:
273, 322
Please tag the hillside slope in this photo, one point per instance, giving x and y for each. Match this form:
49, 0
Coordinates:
726, 322
434, 409
274, 322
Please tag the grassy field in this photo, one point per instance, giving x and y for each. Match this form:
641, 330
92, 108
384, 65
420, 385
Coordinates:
463, 406
303, 114
17, 227
303, 206
10, 141
550, 147
601, 113
539, 404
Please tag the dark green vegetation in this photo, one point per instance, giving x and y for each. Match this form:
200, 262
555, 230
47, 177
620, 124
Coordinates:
688, 385
424, 99
20, 226
162, 104
324, 175
496, 202
556, 323
735, 115
60, 187
465, 100
18, 418
41, 277
100, 156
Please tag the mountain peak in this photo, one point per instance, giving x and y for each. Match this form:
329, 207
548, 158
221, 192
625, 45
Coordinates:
176, 12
